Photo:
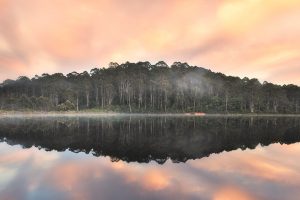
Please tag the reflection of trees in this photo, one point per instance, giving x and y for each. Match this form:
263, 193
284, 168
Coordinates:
149, 138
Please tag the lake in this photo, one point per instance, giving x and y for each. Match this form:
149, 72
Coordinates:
149, 157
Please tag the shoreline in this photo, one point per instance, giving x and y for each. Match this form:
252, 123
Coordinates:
112, 114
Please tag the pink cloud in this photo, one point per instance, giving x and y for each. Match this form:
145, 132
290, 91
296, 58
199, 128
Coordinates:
63, 36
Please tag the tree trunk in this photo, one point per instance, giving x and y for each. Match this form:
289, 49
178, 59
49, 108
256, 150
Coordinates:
97, 96
268, 106
145, 101
140, 99
251, 107
77, 102
166, 100
151, 98
102, 97
129, 103
56, 99
87, 99
275, 105
226, 103
251, 103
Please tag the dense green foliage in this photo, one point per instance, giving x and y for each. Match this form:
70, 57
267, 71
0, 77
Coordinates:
143, 87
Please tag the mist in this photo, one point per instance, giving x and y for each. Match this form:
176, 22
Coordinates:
148, 88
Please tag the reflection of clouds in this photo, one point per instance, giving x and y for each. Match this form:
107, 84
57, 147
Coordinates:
156, 180
6, 175
22, 169
231, 193
242, 175
66, 175
16, 155
150, 178
267, 172
260, 163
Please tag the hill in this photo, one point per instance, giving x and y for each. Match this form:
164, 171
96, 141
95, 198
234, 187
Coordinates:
143, 87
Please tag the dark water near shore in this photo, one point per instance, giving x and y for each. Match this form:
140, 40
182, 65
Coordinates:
136, 157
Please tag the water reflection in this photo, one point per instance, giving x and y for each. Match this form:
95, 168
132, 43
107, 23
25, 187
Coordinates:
149, 138
268, 172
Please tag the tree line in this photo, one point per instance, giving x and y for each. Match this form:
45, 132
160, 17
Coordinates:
144, 87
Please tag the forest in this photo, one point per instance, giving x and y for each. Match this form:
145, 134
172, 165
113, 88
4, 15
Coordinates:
146, 88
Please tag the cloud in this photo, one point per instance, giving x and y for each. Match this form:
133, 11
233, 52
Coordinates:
230, 36
232, 193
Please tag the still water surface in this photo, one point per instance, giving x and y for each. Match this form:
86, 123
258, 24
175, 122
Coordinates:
135, 157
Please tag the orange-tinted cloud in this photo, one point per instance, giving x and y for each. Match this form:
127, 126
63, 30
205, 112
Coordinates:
232, 193
255, 38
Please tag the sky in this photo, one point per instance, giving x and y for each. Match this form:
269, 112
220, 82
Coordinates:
253, 38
